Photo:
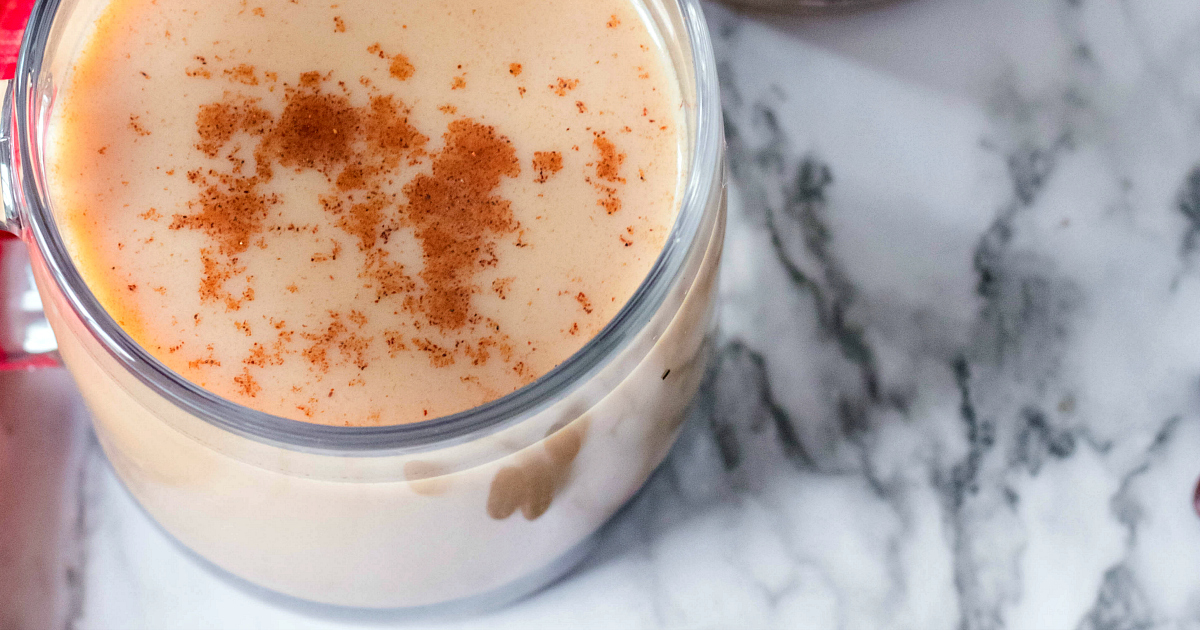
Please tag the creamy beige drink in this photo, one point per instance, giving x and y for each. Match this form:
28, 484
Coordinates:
366, 212
363, 212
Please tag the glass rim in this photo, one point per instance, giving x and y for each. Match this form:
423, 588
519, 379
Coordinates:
36, 222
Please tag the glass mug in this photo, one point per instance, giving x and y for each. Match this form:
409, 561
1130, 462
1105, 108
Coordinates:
463, 507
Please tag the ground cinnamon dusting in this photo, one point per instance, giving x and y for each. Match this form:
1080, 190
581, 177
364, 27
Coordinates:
546, 164
246, 384
584, 302
562, 86
609, 166
137, 127
452, 210
401, 68
501, 286
456, 216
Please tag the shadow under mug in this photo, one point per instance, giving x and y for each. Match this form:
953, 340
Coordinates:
403, 516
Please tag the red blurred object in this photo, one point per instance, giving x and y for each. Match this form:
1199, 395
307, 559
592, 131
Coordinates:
26, 342
13, 279
13, 15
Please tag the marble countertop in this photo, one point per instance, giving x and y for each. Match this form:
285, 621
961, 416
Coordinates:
958, 384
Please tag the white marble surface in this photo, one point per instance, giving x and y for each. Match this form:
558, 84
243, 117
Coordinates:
959, 380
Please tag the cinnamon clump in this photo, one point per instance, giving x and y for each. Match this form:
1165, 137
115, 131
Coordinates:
609, 166
401, 68
218, 122
562, 86
337, 336
456, 216
546, 164
584, 302
230, 212
314, 132
243, 73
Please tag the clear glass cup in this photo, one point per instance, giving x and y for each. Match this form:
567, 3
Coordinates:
464, 506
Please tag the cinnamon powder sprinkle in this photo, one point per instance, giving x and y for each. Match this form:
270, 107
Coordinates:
514, 69
438, 356
246, 384
546, 164
562, 86
228, 214
137, 127
451, 208
609, 166
339, 26
243, 74
401, 68
456, 216
584, 302
502, 286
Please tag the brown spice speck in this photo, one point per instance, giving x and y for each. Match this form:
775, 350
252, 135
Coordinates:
562, 86
459, 83
502, 286
243, 73
514, 69
246, 384
439, 357
546, 164
614, 22
339, 25
584, 302
137, 127
401, 68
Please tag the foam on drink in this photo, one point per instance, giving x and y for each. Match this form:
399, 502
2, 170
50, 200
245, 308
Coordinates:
366, 212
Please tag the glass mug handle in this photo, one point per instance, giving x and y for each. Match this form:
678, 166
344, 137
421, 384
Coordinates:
26, 340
